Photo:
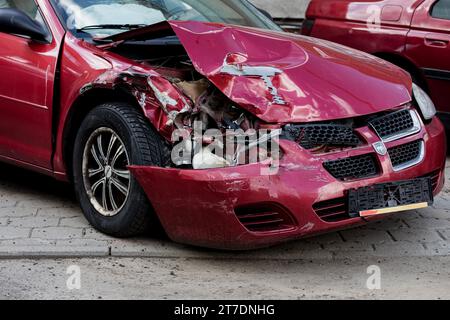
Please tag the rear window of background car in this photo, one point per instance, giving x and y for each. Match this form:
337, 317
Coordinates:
441, 10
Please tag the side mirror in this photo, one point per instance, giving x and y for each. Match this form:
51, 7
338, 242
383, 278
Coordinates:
17, 22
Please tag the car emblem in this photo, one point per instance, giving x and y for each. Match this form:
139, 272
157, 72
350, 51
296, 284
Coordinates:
380, 148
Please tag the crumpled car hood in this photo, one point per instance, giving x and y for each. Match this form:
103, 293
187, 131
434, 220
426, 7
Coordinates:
284, 78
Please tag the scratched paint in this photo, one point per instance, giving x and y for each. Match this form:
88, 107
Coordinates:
285, 78
263, 72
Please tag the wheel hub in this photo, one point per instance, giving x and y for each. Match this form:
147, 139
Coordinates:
108, 172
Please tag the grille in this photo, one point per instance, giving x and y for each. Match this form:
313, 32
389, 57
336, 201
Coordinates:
434, 176
332, 210
316, 135
353, 168
264, 218
435, 179
405, 154
393, 123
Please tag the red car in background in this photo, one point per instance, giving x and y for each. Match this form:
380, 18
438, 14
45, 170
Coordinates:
412, 34
205, 117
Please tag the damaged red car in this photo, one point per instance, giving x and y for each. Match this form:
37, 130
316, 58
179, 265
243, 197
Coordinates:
204, 117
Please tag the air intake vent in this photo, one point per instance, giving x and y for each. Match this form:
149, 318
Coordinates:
332, 210
311, 136
353, 168
265, 218
434, 176
406, 155
396, 124
435, 179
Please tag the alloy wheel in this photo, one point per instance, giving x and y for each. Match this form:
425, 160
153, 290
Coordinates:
105, 171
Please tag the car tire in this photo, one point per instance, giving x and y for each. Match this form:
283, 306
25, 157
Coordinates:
111, 137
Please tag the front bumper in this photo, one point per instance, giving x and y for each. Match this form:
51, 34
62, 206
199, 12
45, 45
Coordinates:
198, 207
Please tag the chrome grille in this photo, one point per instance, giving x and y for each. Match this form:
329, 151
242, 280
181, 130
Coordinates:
396, 125
406, 155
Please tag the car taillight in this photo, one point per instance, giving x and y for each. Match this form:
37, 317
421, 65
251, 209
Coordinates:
307, 27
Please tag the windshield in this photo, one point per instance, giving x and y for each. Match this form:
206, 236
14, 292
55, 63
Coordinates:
108, 17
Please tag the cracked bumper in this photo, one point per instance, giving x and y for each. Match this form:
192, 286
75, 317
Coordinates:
197, 207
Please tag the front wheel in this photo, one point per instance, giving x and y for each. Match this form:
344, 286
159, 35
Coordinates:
112, 137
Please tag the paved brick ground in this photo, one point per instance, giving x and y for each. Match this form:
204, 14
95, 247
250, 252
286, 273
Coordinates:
40, 218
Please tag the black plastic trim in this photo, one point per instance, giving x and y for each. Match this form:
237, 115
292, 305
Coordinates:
437, 74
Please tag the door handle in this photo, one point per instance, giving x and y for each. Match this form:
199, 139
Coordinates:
440, 43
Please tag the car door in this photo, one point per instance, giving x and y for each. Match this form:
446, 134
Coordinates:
27, 73
428, 45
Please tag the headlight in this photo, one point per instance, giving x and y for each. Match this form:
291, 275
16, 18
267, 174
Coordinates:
425, 104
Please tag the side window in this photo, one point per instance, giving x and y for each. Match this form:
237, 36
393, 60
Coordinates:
27, 6
441, 10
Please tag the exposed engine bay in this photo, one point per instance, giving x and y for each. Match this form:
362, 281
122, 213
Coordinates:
214, 132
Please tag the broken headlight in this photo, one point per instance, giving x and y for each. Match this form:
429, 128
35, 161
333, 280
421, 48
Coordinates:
424, 102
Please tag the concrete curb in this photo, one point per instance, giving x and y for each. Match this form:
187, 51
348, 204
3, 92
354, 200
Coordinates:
173, 251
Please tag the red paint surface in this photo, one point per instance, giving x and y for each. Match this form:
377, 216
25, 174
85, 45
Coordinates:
413, 39
197, 206
312, 80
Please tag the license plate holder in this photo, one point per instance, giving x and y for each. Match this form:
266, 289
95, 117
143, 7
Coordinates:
390, 197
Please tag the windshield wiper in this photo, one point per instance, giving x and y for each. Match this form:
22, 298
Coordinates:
111, 26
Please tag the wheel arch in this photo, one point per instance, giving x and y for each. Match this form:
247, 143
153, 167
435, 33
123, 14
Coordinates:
79, 110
